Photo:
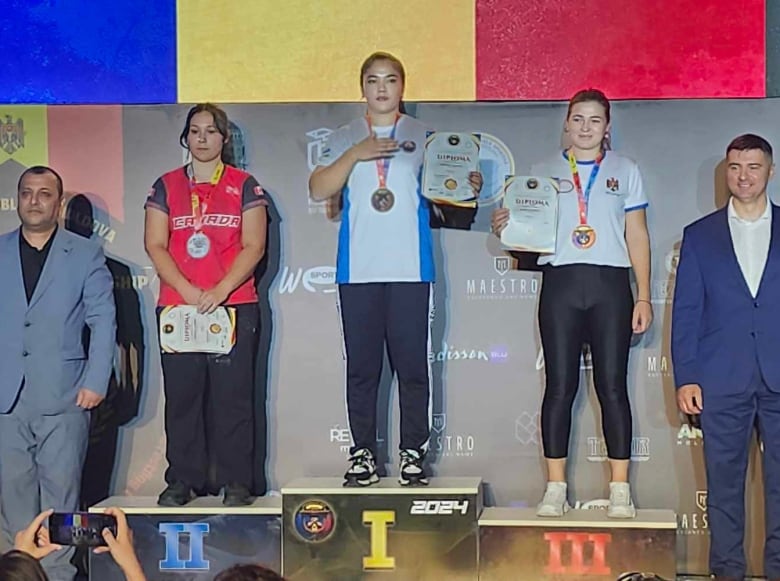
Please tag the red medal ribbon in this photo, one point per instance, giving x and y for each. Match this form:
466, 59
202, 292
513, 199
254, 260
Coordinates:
199, 208
383, 164
583, 198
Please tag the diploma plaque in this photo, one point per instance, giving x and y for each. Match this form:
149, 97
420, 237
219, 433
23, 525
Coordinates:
533, 214
184, 330
449, 159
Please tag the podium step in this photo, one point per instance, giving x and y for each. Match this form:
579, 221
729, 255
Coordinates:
584, 544
385, 531
438, 485
198, 539
271, 505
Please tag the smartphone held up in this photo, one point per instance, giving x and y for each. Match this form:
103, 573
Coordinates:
80, 528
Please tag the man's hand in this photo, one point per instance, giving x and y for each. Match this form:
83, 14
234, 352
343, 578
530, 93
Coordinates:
88, 399
34, 540
689, 399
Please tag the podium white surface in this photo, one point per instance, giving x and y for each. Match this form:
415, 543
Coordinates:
269, 505
579, 518
390, 485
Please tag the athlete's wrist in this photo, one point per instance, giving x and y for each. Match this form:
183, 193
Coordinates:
222, 288
353, 154
186, 288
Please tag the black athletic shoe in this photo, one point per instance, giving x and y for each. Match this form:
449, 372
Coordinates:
177, 494
237, 495
412, 472
362, 471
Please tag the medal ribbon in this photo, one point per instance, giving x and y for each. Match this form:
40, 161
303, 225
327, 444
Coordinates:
383, 164
199, 208
583, 199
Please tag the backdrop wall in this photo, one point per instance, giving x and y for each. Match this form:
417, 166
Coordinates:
486, 351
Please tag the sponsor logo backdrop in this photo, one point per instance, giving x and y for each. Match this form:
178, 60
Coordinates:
486, 360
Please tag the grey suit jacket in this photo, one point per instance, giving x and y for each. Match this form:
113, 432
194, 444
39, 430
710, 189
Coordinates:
40, 342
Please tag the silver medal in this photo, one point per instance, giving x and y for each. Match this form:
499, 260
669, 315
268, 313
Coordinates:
198, 245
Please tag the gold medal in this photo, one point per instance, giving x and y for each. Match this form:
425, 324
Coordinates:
583, 237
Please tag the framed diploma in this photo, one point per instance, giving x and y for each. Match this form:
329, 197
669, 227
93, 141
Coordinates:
448, 160
533, 213
184, 330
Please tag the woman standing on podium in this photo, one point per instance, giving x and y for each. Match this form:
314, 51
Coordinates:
586, 296
205, 233
384, 266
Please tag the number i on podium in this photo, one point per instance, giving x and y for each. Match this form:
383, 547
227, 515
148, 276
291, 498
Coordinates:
378, 521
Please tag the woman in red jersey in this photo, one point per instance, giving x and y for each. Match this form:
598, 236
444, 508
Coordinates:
205, 233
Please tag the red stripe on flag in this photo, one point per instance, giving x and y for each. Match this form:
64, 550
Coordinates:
531, 50
86, 148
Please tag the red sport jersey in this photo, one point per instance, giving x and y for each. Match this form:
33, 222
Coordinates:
217, 214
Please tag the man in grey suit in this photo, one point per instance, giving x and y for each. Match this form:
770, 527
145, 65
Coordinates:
52, 283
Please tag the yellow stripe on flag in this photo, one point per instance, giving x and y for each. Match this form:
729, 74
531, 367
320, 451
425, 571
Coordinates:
311, 51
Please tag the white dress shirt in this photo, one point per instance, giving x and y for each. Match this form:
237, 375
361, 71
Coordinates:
751, 244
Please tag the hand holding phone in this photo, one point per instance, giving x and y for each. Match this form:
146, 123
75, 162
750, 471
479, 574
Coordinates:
34, 540
120, 545
80, 528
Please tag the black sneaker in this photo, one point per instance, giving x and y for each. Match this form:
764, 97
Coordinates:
412, 472
362, 472
237, 495
177, 494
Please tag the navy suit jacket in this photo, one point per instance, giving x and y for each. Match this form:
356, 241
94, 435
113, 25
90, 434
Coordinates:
719, 330
40, 342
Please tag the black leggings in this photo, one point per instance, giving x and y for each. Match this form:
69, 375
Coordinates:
583, 303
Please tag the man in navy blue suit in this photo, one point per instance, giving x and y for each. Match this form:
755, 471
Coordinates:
725, 347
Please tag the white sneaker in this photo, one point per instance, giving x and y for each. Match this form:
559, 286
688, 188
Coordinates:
362, 469
412, 472
620, 503
554, 502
